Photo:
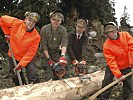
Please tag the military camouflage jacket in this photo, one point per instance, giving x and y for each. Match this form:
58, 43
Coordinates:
51, 40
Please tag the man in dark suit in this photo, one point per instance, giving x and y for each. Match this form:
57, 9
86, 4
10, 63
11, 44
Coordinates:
78, 44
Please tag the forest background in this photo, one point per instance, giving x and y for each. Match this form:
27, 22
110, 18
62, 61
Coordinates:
95, 12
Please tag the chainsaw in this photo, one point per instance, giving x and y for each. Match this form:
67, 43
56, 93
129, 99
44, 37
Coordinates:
59, 70
80, 69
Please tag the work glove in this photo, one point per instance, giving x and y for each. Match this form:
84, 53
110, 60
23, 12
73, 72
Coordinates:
7, 37
63, 61
83, 62
74, 62
51, 62
131, 66
18, 68
122, 78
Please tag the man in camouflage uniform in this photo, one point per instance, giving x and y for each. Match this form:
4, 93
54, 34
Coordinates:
53, 44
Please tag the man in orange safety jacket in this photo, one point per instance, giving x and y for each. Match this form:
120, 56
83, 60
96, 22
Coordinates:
118, 52
24, 40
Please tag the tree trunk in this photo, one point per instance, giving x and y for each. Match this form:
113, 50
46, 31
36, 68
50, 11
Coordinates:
67, 89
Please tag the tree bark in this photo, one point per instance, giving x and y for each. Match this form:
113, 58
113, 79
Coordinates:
67, 89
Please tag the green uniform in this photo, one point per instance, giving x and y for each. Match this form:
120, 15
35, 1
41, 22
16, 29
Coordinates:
51, 41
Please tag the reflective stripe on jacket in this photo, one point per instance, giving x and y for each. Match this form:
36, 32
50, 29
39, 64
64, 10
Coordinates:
24, 44
118, 53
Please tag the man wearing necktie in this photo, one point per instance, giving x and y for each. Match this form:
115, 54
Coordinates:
78, 43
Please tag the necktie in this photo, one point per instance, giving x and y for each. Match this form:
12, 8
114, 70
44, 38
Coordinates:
78, 37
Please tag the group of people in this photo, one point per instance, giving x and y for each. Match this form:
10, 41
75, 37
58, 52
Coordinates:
56, 44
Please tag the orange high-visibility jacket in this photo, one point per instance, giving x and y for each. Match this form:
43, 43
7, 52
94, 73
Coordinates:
24, 44
119, 53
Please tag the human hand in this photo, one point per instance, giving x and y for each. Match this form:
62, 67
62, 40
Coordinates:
63, 60
83, 62
18, 68
122, 78
7, 37
51, 62
74, 62
131, 66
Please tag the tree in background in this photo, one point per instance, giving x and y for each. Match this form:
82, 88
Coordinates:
125, 19
90, 9
17, 8
101, 10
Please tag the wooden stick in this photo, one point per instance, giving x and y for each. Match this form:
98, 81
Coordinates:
107, 87
15, 64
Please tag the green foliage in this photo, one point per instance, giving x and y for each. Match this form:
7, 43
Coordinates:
91, 9
3, 44
88, 9
125, 19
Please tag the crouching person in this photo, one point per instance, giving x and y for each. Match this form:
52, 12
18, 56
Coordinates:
78, 47
24, 40
53, 46
117, 49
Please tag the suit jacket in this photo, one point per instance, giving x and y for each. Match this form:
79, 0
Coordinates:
77, 49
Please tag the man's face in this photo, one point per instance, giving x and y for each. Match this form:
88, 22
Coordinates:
30, 24
80, 28
55, 22
113, 34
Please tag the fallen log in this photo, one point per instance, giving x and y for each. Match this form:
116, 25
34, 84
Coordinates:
67, 89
